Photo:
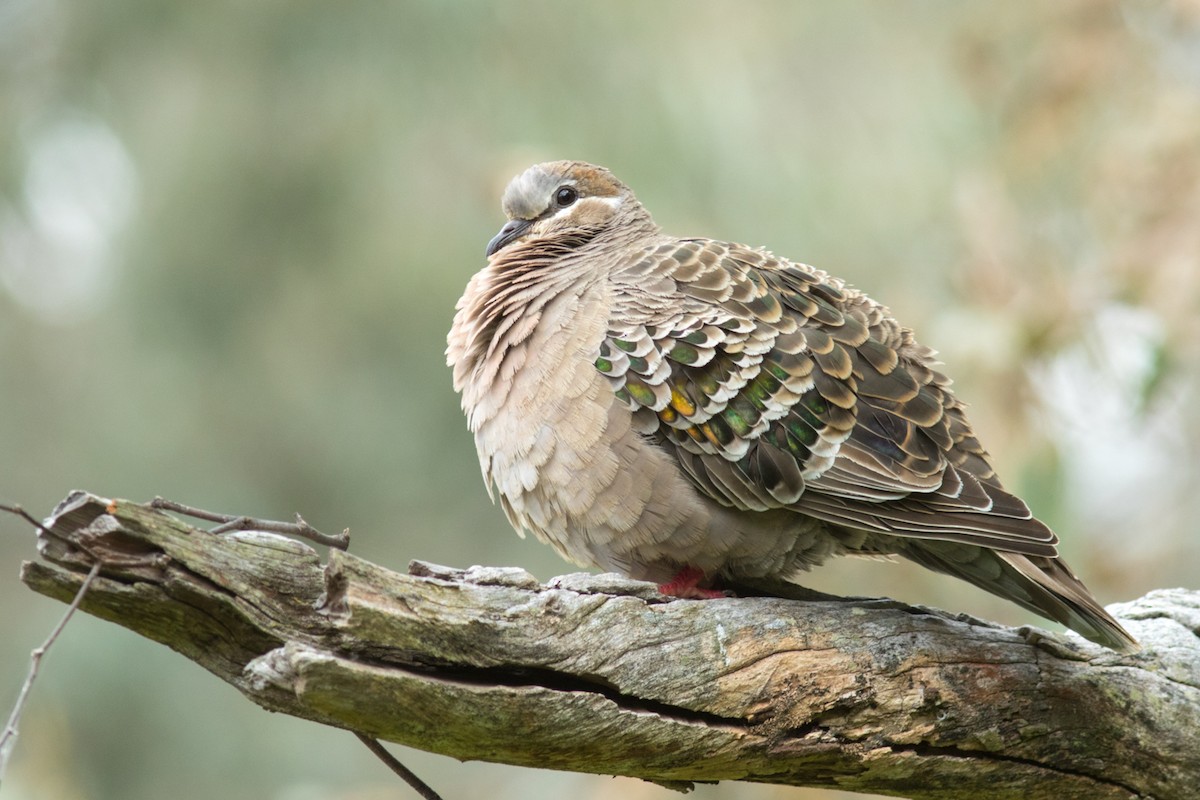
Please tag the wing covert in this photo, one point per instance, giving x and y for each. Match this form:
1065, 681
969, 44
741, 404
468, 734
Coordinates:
776, 386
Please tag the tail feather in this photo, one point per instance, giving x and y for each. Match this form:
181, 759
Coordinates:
1041, 584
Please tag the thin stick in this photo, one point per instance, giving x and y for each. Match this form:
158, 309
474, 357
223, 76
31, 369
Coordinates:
23, 514
8, 738
395, 766
233, 522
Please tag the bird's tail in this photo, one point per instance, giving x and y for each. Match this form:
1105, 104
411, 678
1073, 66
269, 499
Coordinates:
1044, 585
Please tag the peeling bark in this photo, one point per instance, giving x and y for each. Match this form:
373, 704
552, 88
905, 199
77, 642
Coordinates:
596, 673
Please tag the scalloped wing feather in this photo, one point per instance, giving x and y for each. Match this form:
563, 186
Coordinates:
776, 386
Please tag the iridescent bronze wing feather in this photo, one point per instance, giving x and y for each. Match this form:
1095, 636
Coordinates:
778, 387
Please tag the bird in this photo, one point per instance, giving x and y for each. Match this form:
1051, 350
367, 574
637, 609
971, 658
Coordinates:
704, 414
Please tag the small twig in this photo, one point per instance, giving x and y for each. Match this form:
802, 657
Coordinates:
42, 530
23, 514
232, 522
395, 766
8, 738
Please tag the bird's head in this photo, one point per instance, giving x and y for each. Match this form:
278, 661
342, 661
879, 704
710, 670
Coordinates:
563, 204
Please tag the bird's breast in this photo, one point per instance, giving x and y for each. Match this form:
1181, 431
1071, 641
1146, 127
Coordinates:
563, 457
546, 422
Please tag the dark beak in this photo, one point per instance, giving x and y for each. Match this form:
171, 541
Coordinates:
511, 230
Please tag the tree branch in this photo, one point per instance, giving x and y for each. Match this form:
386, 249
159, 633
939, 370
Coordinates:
602, 674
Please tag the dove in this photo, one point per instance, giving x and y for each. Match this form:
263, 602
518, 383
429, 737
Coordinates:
707, 415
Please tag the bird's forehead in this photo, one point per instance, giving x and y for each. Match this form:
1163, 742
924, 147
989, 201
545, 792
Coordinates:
528, 195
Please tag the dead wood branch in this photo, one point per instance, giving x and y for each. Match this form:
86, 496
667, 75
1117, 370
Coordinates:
601, 674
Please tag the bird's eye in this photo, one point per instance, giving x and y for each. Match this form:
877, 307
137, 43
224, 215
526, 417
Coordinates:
565, 196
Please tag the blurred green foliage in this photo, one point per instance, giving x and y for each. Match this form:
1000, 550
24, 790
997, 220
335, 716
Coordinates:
231, 238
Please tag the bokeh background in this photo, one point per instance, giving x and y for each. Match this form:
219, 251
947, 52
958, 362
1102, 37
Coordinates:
232, 235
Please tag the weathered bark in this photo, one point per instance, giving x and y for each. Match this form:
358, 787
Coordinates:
602, 674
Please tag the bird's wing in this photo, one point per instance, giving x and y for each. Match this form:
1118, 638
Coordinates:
776, 386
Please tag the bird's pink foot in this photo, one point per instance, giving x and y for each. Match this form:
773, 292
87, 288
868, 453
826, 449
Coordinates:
685, 584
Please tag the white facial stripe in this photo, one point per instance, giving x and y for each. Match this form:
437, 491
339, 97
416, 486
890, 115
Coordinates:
614, 202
